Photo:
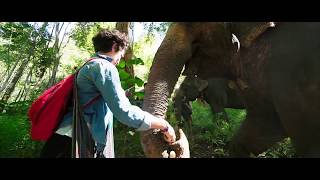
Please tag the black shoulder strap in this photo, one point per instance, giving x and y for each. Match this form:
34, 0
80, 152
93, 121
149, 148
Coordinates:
83, 145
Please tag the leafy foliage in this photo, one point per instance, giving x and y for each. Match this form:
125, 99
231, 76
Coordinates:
84, 32
15, 138
156, 27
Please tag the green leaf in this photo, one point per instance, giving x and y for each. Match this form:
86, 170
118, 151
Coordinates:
139, 95
123, 74
139, 82
124, 85
136, 81
122, 64
135, 61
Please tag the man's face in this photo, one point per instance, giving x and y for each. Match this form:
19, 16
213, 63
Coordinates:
117, 56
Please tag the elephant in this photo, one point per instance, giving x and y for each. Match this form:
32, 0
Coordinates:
219, 93
277, 70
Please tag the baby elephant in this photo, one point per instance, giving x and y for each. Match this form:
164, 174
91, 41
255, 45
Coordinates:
219, 93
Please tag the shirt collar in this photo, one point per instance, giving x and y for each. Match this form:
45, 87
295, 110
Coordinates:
108, 58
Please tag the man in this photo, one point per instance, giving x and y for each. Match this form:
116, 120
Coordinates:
100, 76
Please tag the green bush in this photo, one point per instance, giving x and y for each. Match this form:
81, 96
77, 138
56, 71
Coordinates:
13, 108
15, 138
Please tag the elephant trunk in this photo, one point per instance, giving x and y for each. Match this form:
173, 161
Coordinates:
160, 84
169, 60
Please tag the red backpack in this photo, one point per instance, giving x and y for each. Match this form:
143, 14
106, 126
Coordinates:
48, 109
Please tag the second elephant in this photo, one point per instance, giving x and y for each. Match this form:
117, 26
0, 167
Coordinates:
219, 93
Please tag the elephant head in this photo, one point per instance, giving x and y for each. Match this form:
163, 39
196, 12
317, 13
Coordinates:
191, 88
203, 49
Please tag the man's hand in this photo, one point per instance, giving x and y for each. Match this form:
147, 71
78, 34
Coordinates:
169, 134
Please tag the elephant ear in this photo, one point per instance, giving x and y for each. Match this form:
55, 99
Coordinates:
201, 84
248, 32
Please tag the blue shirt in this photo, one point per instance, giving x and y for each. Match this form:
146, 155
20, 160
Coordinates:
101, 77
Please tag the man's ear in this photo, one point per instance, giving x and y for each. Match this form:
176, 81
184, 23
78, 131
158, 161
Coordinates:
201, 84
114, 47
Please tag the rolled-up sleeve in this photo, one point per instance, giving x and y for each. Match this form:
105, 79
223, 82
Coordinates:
106, 78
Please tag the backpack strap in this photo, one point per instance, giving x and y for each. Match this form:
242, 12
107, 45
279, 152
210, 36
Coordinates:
83, 145
96, 97
91, 101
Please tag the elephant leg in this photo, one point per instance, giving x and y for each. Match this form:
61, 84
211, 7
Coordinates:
302, 123
309, 148
180, 122
178, 118
187, 116
225, 115
298, 109
218, 112
189, 124
257, 133
219, 116
216, 115
254, 138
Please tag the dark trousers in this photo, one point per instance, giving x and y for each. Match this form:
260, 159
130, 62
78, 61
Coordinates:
57, 146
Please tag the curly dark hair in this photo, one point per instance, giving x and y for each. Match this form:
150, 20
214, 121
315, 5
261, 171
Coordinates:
105, 38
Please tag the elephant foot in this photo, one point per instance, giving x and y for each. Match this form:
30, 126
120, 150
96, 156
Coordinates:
307, 149
238, 151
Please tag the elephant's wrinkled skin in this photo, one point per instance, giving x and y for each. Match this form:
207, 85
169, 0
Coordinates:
280, 68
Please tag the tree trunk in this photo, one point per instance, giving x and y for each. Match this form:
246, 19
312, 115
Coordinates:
3, 85
125, 27
52, 80
27, 86
10, 72
17, 97
57, 58
64, 34
3, 75
57, 46
14, 81
36, 86
45, 51
18, 74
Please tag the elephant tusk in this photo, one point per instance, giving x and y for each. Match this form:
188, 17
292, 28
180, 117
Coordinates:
272, 24
236, 40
